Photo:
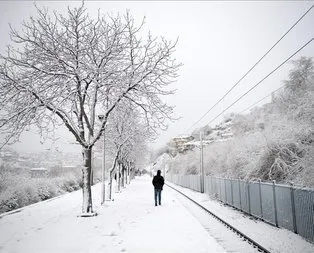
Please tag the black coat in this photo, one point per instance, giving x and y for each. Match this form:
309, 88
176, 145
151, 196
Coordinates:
158, 182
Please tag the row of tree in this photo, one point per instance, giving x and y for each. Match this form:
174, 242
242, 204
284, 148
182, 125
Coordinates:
89, 75
126, 140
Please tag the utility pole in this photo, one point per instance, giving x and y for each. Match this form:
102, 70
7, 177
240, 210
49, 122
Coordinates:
103, 186
201, 163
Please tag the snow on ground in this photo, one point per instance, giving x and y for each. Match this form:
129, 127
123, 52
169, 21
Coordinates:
130, 223
277, 240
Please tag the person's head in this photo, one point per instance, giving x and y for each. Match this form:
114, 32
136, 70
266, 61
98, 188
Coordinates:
158, 172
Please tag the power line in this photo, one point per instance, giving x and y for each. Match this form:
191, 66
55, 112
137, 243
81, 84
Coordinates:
262, 99
251, 68
262, 80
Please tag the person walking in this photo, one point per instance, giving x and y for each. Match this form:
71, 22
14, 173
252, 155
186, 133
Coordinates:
158, 182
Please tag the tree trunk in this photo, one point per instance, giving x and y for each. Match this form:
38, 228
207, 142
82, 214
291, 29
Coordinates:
119, 177
123, 176
128, 173
132, 171
92, 169
110, 185
112, 171
87, 191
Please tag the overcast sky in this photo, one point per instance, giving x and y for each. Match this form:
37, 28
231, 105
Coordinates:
218, 43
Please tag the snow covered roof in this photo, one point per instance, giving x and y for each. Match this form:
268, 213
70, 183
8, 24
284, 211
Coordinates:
37, 169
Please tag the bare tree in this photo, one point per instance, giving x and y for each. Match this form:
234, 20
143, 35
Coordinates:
128, 132
296, 99
68, 70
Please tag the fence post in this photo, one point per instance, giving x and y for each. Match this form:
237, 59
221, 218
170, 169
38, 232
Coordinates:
260, 198
225, 190
275, 202
220, 189
202, 173
249, 195
205, 183
231, 183
295, 228
240, 194
213, 188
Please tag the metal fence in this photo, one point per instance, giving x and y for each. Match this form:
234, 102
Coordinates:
284, 206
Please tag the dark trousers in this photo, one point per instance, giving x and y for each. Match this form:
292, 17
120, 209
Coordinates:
157, 196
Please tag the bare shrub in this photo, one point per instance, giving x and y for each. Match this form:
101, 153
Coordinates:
280, 162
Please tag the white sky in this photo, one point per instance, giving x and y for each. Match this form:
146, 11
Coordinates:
218, 42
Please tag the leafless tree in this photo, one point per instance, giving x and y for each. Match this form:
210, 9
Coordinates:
69, 69
128, 134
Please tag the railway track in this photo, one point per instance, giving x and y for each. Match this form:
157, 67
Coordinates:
234, 240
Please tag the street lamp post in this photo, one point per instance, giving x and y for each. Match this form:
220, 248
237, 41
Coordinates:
103, 190
103, 185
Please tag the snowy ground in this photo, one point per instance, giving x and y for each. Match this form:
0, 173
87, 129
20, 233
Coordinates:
130, 223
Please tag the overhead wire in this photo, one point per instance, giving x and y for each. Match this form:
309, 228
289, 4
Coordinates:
252, 105
250, 69
263, 79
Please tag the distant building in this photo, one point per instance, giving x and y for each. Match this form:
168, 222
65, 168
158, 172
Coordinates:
182, 139
8, 155
180, 143
39, 172
69, 167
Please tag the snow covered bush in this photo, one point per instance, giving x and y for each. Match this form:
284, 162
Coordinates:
186, 164
18, 190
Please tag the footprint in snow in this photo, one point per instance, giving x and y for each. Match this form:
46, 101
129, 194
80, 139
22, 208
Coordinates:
113, 234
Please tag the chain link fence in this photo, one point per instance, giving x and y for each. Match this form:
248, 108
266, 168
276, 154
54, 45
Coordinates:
283, 206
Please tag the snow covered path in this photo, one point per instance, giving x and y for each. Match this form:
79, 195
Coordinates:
131, 223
